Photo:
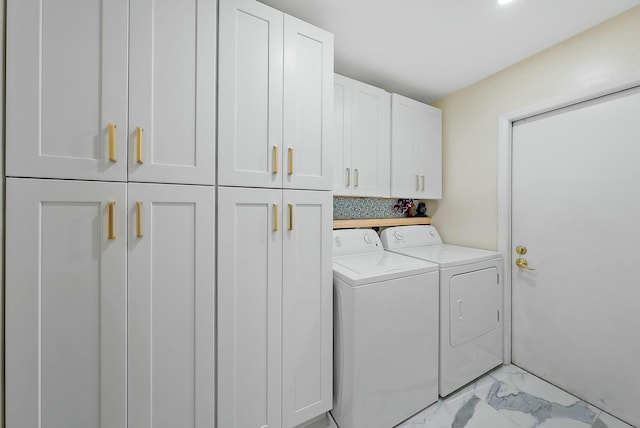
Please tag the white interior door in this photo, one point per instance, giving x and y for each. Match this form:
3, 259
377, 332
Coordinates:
66, 304
171, 306
172, 91
575, 205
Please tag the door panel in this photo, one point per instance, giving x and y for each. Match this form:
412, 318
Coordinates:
66, 82
249, 308
172, 91
428, 162
307, 306
371, 140
66, 305
250, 97
308, 106
575, 181
342, 100
171, 306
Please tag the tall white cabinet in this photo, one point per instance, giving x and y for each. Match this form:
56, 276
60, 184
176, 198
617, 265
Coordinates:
362, 139
275, 124
416, 149
274, 218
112, 284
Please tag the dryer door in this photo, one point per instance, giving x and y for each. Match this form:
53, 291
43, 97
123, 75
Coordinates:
473, 305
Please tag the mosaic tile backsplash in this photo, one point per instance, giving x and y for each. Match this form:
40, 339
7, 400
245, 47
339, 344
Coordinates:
347, 208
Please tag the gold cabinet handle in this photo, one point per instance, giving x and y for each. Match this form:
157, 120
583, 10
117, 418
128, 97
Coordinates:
139, 144
521, 250
275, 217
356, 176
139, 219
423, 183
112, 142
348, 177
417, 183
290, 172
290, 216
523, 264
275, 155
111, 229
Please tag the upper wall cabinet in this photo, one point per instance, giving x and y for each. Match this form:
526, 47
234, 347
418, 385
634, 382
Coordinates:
72, 73
362, 140
416, 149
275, 99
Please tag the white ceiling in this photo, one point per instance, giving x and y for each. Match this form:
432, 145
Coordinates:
427, 49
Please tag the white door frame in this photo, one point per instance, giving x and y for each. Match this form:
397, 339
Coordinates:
505, 123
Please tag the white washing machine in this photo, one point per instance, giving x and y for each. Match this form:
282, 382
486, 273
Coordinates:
385, 332
471, 326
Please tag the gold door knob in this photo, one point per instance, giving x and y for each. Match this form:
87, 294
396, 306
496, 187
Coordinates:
523, 264
521, 249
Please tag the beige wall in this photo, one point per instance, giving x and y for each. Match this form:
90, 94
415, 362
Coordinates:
467, 214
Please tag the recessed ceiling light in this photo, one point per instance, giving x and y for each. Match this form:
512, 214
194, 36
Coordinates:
503, 2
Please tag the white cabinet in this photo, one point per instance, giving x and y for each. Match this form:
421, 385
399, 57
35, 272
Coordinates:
78, 89
172, 80
274, 307
171, 306
66, 304
362, 140
66, 83
92, 332
416, 149
275, 97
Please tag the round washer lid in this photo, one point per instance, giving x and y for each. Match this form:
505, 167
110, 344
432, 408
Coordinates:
361, 269
449, 255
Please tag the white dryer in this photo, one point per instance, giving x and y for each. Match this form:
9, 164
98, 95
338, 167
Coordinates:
385, 332
471, 326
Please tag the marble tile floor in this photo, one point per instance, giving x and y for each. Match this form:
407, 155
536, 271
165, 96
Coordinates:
509, 397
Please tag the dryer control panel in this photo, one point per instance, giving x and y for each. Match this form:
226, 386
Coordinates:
410, 236
355, 241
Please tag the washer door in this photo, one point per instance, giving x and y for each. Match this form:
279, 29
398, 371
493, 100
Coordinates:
473, 305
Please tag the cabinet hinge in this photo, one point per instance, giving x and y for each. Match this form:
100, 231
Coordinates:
498, 316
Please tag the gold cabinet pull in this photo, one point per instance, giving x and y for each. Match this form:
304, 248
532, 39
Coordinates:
417, 183
348, 177
139, 219
112, 142
290, 172
356, 176
275, 159
290, 216
275, 217
423, 183
139, 144
111, 229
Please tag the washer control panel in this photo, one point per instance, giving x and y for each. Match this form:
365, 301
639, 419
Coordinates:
355, 241
409, 236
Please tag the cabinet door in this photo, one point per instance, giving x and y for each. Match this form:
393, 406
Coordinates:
249, 308
428, 162
171, 306
371, 140
250, 95
416, 149
66, 304
307, 315
172, 91
308, 106
342, 87
66, 83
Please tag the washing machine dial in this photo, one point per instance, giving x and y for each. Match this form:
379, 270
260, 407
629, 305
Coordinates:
367, 238
431, 232
398, 235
